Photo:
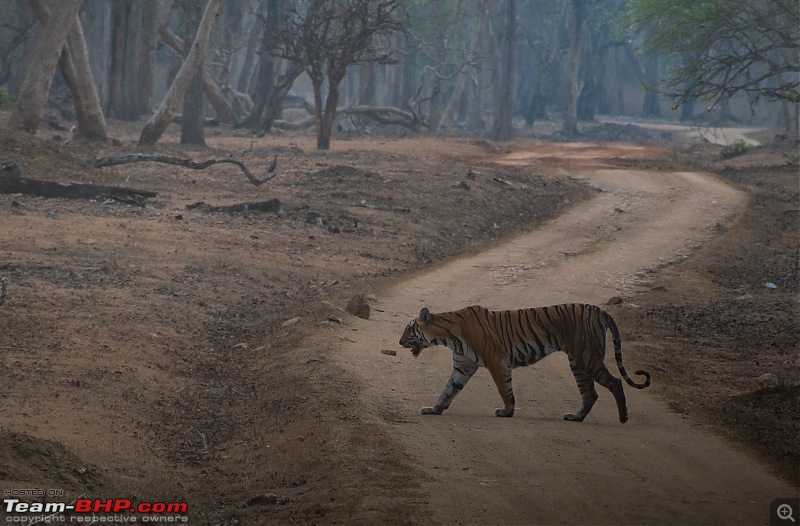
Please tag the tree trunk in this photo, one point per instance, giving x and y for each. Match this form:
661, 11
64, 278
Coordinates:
131, 70
651, 107
36, 88
687, 108
278, 95
243, 84
147, 55
326, 113
12, 182
74, 63
366, 86
192, 131
211, 87
158, 123
96, 20
435, 113
466, 71
91, 122
395, 77
265, 80
504, 96
325, 129
119, 24
571, 102
410, 59
592, 93
483, 75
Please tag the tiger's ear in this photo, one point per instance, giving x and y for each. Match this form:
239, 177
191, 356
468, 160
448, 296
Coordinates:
425, 316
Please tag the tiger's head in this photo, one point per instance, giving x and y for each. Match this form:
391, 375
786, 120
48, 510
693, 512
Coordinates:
414, 336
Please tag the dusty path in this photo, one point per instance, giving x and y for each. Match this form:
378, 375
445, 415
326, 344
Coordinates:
536, 468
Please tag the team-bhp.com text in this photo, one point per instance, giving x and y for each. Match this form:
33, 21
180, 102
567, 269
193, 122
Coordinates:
90, 510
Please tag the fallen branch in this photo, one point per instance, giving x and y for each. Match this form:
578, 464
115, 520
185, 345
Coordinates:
273, 205
401, 209
11, 182
386, 115
294, 126
178, 161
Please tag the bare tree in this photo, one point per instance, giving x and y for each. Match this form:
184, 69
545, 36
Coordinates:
211, 87
74, 63
437, 26
271, 89
543, 27
155, 127
36, 88
329, 36
467, 70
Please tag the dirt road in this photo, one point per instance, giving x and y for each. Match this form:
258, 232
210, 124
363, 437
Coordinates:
536, 468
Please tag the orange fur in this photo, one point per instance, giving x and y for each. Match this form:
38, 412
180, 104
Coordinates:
503, 340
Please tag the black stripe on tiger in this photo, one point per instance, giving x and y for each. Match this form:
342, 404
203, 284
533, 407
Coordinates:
503, 340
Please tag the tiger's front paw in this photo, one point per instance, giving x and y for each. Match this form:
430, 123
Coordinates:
504, 413
430, 411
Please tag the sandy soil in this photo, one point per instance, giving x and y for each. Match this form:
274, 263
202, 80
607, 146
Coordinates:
155, 353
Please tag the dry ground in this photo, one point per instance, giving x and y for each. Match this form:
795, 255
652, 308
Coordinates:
144, 352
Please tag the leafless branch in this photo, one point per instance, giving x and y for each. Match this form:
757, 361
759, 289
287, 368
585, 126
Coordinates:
178, 161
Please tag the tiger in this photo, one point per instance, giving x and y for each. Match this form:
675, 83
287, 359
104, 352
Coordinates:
503, 340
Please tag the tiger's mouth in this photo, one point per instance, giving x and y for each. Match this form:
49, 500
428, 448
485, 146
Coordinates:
415, 347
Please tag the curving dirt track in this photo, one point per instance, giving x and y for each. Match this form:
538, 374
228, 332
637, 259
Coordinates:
535, 468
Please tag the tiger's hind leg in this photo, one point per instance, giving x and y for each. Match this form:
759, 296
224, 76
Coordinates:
588, 393
613, 384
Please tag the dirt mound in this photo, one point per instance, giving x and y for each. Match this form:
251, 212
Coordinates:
43, 159
613, 132
756, 415
721, 317
781, 400
27, 460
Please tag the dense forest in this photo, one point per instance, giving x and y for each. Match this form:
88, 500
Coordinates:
492, 67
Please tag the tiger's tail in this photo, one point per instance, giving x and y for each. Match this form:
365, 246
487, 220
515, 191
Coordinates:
611, 324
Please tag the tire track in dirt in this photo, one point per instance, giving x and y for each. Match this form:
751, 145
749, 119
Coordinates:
659, 468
